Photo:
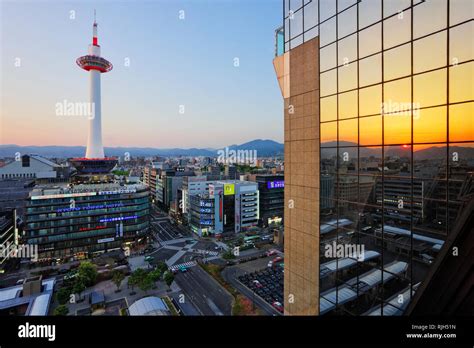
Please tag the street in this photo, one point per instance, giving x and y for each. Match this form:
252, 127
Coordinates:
205, 293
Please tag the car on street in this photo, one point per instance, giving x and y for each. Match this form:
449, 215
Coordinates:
278, 306
272, 252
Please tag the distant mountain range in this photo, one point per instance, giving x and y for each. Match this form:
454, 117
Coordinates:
433, 152
264, 148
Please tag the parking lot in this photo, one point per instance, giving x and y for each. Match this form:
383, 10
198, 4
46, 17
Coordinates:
266, 283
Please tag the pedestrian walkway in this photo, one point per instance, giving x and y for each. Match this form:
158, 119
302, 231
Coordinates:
205, 252
185, 264
171, 261
207, 259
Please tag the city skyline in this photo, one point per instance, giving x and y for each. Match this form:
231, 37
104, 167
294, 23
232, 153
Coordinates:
155, 96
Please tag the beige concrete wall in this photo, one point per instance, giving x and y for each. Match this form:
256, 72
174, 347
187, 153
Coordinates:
301, 287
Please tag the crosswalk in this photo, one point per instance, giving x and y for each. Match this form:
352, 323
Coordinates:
184, 264
204, 252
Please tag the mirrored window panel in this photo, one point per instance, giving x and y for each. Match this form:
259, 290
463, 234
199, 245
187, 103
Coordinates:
347, 50
328, 108
343, 4
327, 32
391, 7
347, 22
370, 70
310, 15
370, 100
348, 104
295, 5
397, 62
429, 89
311, 34
327, 8
328, 82
397, 128
347, 77
429, 16
328, 133
397, 30
327, 57
461, 122
370, 12
296, 24
460, 82
430, 126
460, 11
460, 50
348, 132
370, 40
370, 130
397, 95
424, 56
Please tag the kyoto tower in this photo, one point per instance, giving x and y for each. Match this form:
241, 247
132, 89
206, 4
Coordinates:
95, 162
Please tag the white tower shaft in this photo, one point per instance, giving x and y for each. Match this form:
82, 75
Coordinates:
95, 148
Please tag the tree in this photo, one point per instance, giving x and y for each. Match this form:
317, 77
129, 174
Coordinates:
155, 275
79, 286
168, 277
63, 295
145, 283
117, 278
61, 310
228, 255
162, 267
88, 271
136, 277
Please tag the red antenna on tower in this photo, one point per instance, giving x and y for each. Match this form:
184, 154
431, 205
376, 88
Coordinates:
94, 32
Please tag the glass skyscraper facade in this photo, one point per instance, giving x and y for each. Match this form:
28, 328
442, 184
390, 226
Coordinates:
396, 117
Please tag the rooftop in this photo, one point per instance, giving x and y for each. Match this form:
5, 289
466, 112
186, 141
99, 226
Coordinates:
47, 191
38, 304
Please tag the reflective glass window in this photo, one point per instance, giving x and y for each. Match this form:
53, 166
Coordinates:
423, 49
370, 100
370, 130
461, 79
348, 104
461, 122
397, 30
397, 62
430, 125
429, 89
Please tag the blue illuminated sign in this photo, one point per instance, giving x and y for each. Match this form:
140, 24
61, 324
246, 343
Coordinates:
275, 184
90, 207
119, 218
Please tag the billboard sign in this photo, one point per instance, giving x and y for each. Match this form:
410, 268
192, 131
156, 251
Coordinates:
229, 189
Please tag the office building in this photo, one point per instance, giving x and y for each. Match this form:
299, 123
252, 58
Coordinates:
8, 235
271, 199
236, 205
80, 221
379, 146
201, 214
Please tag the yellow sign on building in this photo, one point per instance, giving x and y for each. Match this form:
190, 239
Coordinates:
229, 189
